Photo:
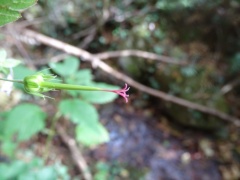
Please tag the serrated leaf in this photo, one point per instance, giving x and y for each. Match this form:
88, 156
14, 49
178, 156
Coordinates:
8, 15
79, 111
25, 120
66, 68
89, 131
17, 4
92, 135
9, 63
9, 9
99, 97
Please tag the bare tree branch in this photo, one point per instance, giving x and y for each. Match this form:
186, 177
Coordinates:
75, 152
95, 60
230, 86
88, 39
84, 32
18, 44
141, 54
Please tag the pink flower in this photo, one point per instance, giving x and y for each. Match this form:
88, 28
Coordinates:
121, 92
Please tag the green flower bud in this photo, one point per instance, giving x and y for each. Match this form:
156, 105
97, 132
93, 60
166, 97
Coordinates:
33, 84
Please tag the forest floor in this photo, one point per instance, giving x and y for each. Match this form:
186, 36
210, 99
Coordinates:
145, 139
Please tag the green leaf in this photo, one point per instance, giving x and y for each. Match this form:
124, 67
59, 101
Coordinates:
9, 63
99, 97
62, 171
9, 9
79, 111
66, 68
32, 170
2, 122
46, 173
8, 147
26, 120
92, 134
8, 15
3, 55
89, 131
12, 171
102, 171
21, 72
82, 77
17, 4
3, 171
4, 70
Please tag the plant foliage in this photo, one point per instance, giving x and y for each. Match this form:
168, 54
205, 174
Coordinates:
10, 9
33, 169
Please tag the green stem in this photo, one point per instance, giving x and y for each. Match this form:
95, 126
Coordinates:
12, 80
68, 86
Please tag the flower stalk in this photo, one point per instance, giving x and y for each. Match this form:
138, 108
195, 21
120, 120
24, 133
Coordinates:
39, 83
12, 80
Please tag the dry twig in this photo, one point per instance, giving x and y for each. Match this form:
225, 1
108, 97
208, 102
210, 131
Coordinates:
19, 44
96, 61
141, 54
76, 154
230, 86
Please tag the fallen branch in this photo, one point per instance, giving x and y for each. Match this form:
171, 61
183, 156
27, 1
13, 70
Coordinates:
96, 61
76, 154
141, 54
230, 86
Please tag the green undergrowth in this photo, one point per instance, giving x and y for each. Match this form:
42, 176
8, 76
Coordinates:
24, 121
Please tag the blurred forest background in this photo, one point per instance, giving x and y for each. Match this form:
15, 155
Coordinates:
187, 51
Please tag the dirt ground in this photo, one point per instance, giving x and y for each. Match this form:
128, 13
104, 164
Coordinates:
142, 140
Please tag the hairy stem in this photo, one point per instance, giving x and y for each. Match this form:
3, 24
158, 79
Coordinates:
12, 80
68, 86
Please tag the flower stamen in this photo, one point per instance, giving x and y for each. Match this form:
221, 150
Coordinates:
121, 92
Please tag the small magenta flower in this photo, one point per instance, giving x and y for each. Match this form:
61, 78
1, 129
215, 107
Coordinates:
121, 92
39, 83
